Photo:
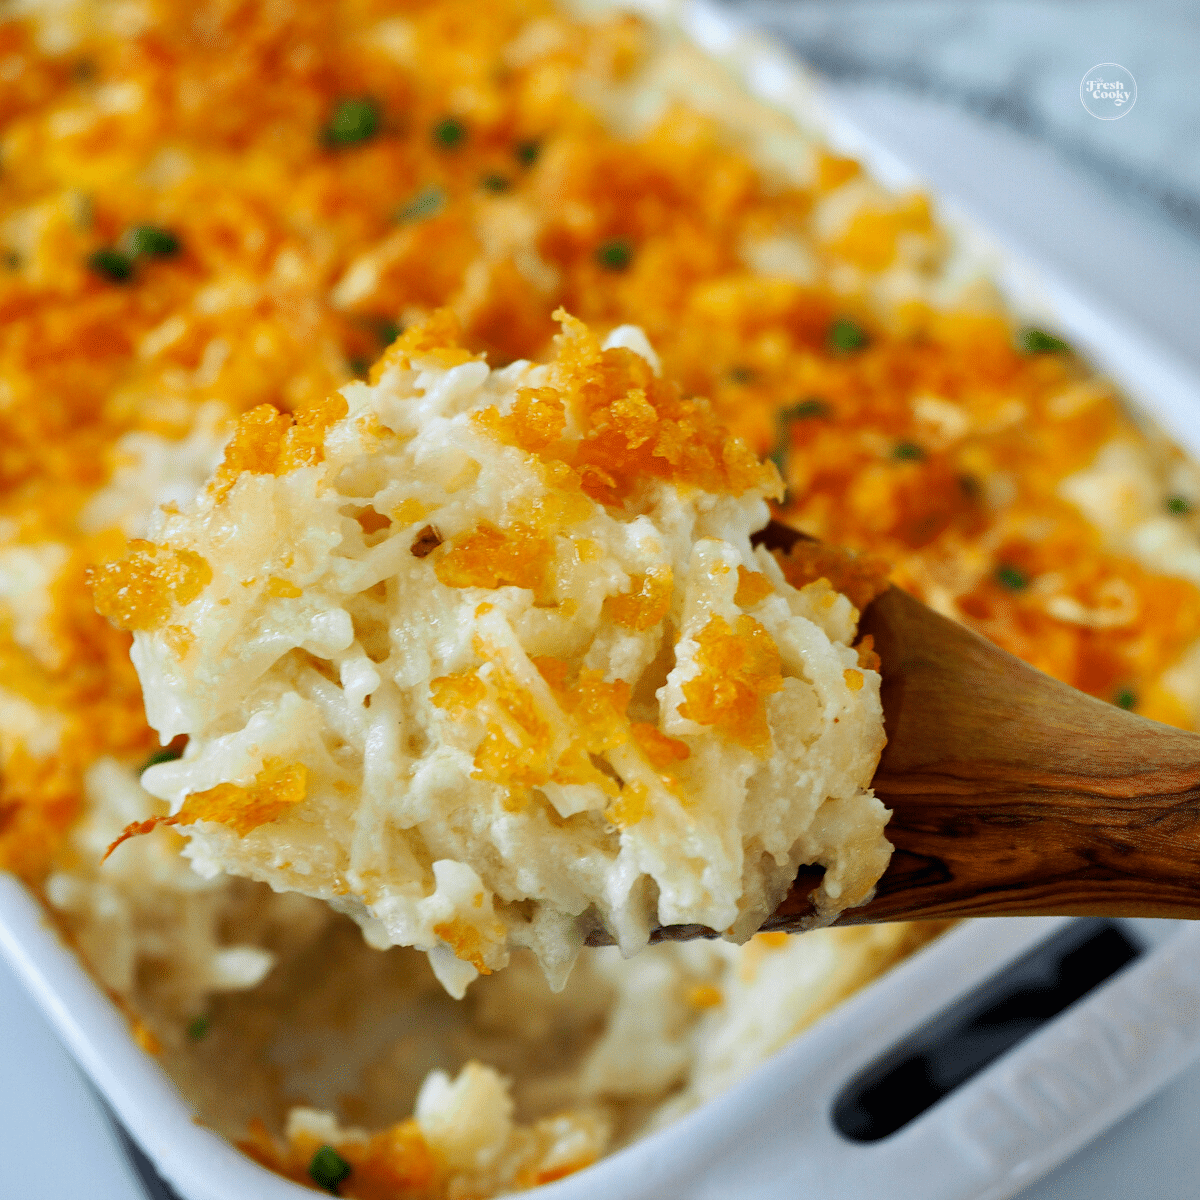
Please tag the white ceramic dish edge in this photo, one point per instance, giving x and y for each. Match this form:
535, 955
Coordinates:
771, 1134
199, 1164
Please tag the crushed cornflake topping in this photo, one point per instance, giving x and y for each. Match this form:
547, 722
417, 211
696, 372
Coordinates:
647, 601
739, 669
861, 577
276, 789
269, 442
488, 557
753, 587
141, 590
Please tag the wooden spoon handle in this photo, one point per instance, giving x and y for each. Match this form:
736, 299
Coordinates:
1013, 794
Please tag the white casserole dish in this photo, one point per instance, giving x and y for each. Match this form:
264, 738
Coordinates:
773, 1133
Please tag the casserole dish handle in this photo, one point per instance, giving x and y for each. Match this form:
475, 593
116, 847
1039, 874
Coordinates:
1005, 1127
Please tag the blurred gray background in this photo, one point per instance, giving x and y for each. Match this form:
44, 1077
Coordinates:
982, 99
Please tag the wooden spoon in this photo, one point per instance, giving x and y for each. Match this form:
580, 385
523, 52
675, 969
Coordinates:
1012, 794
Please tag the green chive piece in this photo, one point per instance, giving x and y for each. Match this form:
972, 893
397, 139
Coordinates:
12, 260
150, 239
907, 452
741, 375
527, 153
779, 452
425, 204
112, 264
449, 133
1179, 505
166, 754
614, 255
389, 331
779, 456
806, 410
328, 1168
845, 336
359, 367
198, 1027
354, 120
494, 182
1125, 698
1011, 577
1038, 341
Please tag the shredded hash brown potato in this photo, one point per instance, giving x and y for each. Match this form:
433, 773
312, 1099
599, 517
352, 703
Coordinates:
591, 705
225, 210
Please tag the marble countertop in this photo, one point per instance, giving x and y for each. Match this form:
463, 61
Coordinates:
1019, 65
